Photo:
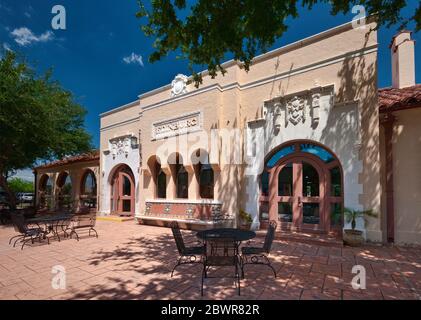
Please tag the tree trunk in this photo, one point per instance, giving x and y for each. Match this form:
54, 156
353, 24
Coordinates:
10, 194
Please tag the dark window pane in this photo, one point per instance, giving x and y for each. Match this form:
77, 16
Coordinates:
206, 181
311, 213
285, 211
127, 186
278, 155
264, 211
126, 205
335, 214
285, 181
182, 183
265, 183
310, 181
323, 154
162, 185
335, 182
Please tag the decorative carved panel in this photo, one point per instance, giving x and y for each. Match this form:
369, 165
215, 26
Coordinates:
122, 145
183, 124
179, 85
296, 108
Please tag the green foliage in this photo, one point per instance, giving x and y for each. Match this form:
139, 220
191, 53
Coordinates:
245, 216
208, 30
351, 215
38, 118
20, 185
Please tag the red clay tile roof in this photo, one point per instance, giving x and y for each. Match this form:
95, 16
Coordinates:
392, 99
84, 157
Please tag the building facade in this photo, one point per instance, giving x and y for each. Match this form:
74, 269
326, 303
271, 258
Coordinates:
302, 135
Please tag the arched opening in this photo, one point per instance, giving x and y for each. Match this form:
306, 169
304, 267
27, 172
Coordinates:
302, 187
45, 192
88, 190
64, 191
122, 191
204, 174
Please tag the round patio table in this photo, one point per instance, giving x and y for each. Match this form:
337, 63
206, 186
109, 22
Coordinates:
218, 233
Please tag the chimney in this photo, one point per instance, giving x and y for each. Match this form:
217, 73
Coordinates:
403, 60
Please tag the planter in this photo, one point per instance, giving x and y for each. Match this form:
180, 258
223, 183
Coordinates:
246, 226
353, 238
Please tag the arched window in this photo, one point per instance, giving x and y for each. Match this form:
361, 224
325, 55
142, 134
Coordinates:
45, 191
88, 190
64, 191
161, 184
302, 184
182, 182
206, 181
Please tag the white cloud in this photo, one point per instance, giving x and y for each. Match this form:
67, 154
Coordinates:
7, 47
133, 58
24, 36
25, 174
27, 14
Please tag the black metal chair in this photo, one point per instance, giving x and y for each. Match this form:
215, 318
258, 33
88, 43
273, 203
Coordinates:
81, 223
188, 255
259, 255
62, 224
25, 234
221, 252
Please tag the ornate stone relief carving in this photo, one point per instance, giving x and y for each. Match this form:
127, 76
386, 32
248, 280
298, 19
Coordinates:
296, 109
277, 116
315, 108
179, 85
122, 145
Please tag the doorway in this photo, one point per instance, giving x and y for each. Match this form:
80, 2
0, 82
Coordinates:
301, 188
123, 191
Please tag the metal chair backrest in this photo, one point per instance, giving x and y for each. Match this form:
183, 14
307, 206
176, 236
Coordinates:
18, 221
221, 251
178, 237
85, 221
270, 236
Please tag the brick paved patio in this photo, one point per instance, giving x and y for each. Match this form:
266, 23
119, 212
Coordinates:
130, 261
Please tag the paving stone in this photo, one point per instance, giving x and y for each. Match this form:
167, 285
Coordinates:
130, 261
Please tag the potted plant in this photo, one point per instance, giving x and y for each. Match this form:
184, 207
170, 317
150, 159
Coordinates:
245, 220
354, 237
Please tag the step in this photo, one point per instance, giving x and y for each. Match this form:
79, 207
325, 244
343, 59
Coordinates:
305, 237
115, 218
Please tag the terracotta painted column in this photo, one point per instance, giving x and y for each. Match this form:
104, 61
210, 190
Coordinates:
388, 121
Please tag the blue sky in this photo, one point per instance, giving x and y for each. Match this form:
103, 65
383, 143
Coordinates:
88, 58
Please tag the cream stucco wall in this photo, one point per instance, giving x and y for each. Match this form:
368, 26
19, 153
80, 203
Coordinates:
118, 123
407, 176
342, 58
